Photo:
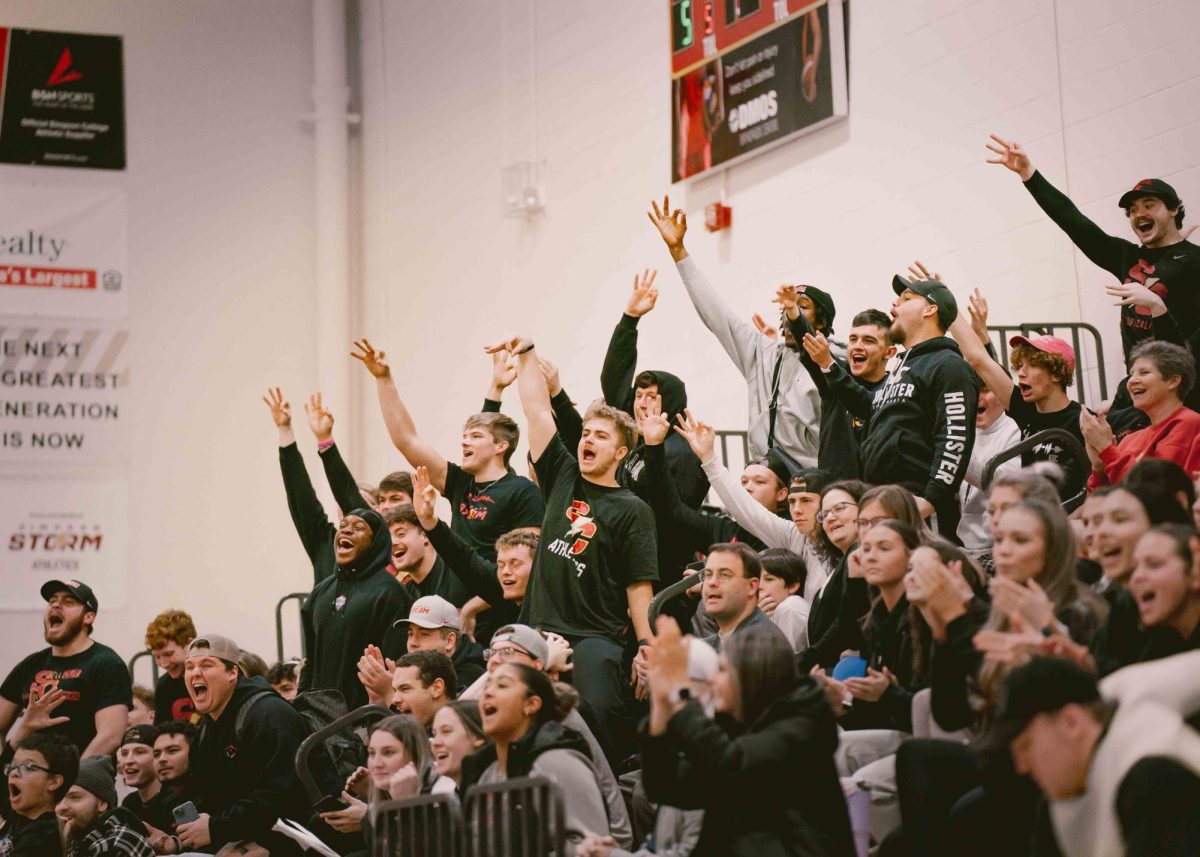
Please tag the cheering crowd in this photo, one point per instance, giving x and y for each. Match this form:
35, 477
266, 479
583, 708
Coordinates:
881, 649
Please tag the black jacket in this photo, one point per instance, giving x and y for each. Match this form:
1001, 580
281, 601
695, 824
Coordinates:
348, 610
922, 427
834, 620
246, 785
888, 642
772, 790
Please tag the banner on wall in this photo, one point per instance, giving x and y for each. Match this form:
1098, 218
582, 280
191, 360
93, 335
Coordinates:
748, 75
69, 528
63, 394
64, 99
62, 252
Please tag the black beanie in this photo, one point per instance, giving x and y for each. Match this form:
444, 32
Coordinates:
98, 775
374, 519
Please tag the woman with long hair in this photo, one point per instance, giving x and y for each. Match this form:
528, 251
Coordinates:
457, 733
1165, 585
521, 715
742, 768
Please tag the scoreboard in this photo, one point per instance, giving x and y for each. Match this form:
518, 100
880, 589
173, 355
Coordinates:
747, 75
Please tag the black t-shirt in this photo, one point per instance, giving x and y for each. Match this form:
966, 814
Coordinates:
483, 513
440, 581
36, 837
94, 679
158, 813
595, 542
171, 700
1031, 421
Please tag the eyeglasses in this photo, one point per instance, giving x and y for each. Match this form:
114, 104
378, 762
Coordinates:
724, 575
835, 509
506, 653
15, 771
865, 524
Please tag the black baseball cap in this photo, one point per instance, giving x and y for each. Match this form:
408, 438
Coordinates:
1150, 187
779, 463
1042, 686
809, 480
934, 291
822, 299
82, 592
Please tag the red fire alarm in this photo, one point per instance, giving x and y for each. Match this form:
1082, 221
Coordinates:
717, 216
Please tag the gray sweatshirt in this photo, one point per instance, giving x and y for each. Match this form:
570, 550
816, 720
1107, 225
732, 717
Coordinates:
798, 409
676, 832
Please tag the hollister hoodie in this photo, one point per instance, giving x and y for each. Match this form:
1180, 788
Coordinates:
922, 427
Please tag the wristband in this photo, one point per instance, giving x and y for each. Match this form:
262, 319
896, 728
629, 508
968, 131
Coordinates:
178, 844
526, 350
324, 445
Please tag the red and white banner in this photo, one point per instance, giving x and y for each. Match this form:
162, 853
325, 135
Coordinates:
62, 252
63, 528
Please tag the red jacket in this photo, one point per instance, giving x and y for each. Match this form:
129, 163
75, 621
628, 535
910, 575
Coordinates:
1177, 438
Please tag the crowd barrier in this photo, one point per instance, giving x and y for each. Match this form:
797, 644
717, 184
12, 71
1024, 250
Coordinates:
299, 598
347, 734
1079, 334
1052, 435
421, 826
144, 653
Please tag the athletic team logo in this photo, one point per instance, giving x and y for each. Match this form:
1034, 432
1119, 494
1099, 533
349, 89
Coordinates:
582, 526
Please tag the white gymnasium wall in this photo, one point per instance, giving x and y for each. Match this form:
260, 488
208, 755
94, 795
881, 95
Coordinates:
221, 302
460, 89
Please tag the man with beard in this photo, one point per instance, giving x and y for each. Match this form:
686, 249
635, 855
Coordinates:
784, 405
76, 687
40, 773
93, 824
135, 763
353, 608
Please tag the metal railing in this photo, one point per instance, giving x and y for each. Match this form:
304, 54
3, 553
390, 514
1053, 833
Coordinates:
144, 653
679, 587
419, 826
1064, 438
304, 770
525, 817
295, 596
1073, 331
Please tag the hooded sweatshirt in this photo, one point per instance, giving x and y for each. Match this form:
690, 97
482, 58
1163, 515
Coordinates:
616, 382
350, 609
246, 785
922, 427
558, 754
772, 370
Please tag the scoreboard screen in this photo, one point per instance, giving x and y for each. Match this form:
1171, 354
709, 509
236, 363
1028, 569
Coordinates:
747, 75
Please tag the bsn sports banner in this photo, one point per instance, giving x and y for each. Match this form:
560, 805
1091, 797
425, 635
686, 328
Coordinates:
64, 99
68, 528
62, 252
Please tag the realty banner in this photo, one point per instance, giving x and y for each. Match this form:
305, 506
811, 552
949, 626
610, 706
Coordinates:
64, 99
63, 394
65, 529
62, 252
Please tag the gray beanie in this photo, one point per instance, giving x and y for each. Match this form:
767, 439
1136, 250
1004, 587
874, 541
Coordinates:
98, 775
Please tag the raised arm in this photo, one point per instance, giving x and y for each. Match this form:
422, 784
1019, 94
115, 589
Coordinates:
1101, 248
737, 336
504, 372
787, 297
853, 396
620, 361
535, 396
308, 515
341, 481
687, 525
974, 349
400, 425
566, 418
477, 575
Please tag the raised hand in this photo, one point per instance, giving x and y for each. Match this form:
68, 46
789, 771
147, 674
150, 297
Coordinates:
977, 308
40, 713
550, 373
1010, 154
644, 296
281, 411
424, 498
788, 299
504, 372
817, 348
699, 436
671, 225
561, 653
771, 333
515, 346
319, 419
374, 360
1096, 431
1135, 294
653, 424
404, 783
918, 271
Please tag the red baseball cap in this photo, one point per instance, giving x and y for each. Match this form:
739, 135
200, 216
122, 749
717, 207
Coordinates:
1049, 344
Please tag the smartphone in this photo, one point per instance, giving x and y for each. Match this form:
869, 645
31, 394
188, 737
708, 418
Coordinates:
185, 813
329, 803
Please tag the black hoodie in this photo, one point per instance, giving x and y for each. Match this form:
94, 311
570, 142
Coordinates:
350, 609
922, 427
246, 785
772, 790
616, 382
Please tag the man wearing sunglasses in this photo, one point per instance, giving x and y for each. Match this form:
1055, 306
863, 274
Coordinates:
41, 771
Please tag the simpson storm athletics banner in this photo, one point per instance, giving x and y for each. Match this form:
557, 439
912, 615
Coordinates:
62, 252
64, 99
